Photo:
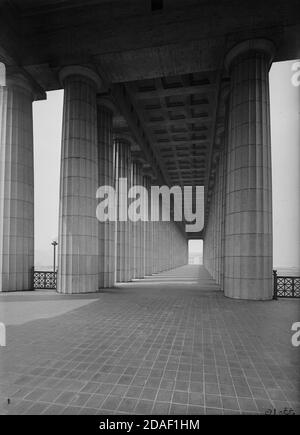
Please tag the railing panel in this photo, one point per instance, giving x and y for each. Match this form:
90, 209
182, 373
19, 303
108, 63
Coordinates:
286, 286
44, 280
297, 288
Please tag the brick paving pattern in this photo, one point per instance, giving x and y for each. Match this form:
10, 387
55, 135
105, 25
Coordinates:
168, 344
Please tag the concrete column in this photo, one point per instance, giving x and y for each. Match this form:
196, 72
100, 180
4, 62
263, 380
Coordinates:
155, 237
180, 246
147, 229
214, 228
219, 201
132, 242
16, 185
163, 246
78, 262
136, 175
143, 230
155, 247
167, 245
218, 220
159, 242
220, 211
106, 177
123, 227
248, 235
139, 228
169, 255
170, 228
210, 234
153, 253
223, 214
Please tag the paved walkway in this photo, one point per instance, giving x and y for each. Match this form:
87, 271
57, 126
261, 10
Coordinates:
171, 343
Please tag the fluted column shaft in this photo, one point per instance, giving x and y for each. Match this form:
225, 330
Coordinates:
142, 224
106, 177
149, 231
210, 238
136, 171
157, 241
16, 186
138, 227
223, 210
78, 227
132, 242
123, 227
248, 234
219, 200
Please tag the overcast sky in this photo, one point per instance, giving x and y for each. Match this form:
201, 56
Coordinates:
285, 124
285, 128
47, 122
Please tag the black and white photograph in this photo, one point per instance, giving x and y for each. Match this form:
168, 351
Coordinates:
149, 211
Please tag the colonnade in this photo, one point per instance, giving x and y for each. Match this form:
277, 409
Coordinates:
94, 255
145, 246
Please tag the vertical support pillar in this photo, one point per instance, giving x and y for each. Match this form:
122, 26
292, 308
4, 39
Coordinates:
219, 196
131, 229
16, 185
151, 231
155, 234
143, 229
78, 226
248, 238
123, 227
106, 177
138, 226
136, 174
148, 229
224, 190
221, 214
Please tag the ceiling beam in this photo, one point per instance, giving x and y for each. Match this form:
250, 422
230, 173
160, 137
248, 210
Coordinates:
180, 122
174, 142
171, 92
178, 108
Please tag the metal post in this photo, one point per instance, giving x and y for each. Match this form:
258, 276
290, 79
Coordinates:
275, 284
54, 244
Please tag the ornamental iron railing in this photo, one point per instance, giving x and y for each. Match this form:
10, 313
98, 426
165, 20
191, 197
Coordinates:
44, 280
286, 286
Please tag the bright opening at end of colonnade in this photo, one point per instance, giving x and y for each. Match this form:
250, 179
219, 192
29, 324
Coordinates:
196, 251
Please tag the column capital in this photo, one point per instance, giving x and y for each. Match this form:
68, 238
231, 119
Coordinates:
83, 71
148, 173
225, 91
138, 158
107, 102
259, 45
125, 137
122, 138
16, 78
